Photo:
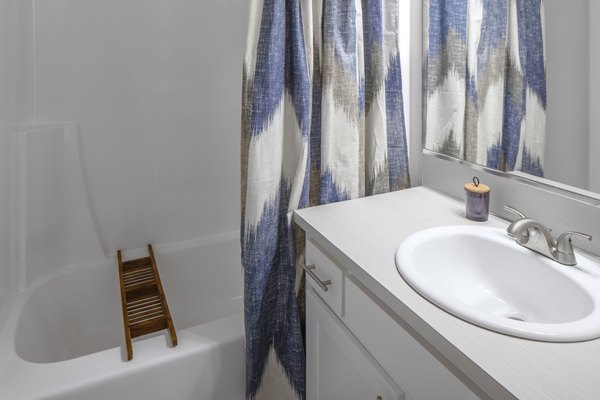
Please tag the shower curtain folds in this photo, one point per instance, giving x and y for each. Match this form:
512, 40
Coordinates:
322, 121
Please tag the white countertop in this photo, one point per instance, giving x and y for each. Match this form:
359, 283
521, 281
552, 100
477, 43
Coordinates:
364, 234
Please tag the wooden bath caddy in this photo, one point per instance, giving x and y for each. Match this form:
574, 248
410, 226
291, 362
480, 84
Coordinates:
145, 308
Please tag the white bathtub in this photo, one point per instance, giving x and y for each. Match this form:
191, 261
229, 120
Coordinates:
64, 337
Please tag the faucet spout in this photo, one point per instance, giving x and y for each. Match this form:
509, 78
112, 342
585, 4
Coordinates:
533, 235
526, 230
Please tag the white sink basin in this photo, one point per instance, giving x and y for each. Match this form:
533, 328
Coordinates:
482, 276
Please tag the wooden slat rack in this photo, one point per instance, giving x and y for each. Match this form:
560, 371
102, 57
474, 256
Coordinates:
145, 308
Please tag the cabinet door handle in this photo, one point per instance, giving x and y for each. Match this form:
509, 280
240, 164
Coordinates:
309, 271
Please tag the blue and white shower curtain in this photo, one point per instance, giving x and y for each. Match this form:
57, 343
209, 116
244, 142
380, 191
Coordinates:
485, 82
322, 121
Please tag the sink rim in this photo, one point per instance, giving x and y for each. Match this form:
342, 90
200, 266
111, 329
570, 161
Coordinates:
586, 275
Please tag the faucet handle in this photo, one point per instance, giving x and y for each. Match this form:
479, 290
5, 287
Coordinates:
515, 211
564, 243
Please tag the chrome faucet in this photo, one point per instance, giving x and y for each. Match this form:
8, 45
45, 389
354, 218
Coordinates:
533, 235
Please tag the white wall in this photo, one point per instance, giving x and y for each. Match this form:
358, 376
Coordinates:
8, 66
411, 55
5, 237
568, 85
154, 87
8, 89
594, 148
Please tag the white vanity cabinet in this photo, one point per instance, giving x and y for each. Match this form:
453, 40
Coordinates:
427, 353
356, 350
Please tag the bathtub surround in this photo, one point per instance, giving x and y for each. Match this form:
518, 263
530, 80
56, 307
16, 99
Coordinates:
113, 118
155, 99
50, 222
322, 122
485, 84
61, 328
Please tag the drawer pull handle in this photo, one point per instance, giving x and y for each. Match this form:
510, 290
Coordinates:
309, 270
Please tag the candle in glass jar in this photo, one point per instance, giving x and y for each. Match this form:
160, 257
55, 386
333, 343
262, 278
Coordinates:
477, 200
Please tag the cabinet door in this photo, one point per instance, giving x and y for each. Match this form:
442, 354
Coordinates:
414, 368
337, 366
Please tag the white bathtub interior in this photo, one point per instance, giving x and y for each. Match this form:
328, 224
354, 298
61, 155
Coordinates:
68, 335
79, 313
71, 316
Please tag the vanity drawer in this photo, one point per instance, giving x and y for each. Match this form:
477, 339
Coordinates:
325, 269
412, 366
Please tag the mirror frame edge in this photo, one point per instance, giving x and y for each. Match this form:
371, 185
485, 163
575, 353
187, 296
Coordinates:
557, 188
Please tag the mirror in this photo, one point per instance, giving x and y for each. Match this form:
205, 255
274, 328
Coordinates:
571, 46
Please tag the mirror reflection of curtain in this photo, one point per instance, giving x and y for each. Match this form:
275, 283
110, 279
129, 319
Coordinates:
485, 82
